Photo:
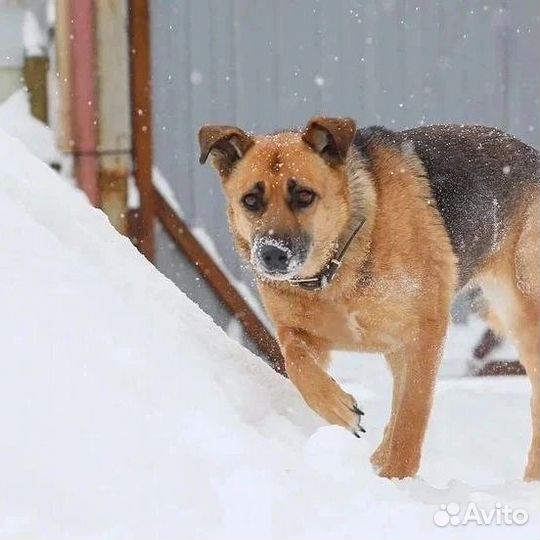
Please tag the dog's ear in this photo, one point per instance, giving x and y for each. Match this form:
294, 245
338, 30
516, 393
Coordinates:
330, 137
225, 145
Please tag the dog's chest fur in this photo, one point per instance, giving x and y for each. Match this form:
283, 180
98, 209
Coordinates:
381, 296
377, 318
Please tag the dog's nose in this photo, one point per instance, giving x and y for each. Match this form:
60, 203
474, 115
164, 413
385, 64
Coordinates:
275, 258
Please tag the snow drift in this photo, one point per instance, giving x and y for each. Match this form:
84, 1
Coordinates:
127, 413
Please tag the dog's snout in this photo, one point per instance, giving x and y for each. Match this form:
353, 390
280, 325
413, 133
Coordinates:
279, 257
275, 258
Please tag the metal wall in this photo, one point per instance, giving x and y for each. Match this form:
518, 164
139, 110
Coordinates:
268, 64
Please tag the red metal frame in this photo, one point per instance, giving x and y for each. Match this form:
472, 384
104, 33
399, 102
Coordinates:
83, 97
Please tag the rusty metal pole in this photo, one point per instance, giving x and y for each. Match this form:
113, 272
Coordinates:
141, 120
83, 102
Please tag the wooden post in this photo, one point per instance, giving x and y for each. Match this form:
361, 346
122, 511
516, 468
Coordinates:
62, 45
113, 104
35, 78
141, 120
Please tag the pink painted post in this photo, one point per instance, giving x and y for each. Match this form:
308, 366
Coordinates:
83, 97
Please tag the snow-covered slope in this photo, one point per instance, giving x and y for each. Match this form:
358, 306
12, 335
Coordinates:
126, 413
17, 120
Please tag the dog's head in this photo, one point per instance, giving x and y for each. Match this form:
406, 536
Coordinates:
288, 194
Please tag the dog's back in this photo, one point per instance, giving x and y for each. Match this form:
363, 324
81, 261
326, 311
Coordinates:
480, 178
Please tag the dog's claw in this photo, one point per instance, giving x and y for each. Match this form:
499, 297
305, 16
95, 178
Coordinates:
357, 410
359, 428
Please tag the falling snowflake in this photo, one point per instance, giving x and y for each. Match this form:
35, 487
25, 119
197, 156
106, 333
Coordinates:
196, 77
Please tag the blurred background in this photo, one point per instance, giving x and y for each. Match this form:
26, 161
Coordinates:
112, 93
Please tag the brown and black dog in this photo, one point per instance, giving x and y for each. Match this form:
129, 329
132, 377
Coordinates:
360, 241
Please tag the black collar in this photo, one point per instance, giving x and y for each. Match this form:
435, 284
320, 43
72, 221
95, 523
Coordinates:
328, 273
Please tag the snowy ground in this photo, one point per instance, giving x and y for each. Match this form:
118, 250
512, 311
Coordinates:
16, 120
127, 413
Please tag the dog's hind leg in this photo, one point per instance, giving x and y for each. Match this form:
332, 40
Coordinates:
527, 338
512, 287
526, 327
306, 358
527, 268
521, 321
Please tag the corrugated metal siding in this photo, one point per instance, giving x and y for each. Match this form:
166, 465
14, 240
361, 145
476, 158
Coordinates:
266, 65
11, 36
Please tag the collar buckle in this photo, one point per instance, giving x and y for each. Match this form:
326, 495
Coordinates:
326, 276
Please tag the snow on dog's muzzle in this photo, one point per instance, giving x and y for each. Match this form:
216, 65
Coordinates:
278, 257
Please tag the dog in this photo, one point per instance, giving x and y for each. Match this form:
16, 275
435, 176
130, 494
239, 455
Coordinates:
360, 240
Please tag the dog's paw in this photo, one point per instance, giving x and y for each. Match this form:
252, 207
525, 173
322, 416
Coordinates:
395, 472
399, 466
348, 415
338, 407
378, 458
532, 472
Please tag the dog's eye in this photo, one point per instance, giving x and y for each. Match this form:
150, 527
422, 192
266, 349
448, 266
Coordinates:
252, 201
302, 198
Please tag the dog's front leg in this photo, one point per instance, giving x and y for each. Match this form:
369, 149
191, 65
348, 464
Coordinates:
395, 362
410, 412
306, 358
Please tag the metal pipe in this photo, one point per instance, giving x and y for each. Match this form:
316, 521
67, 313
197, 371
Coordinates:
141, 120
83, 102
